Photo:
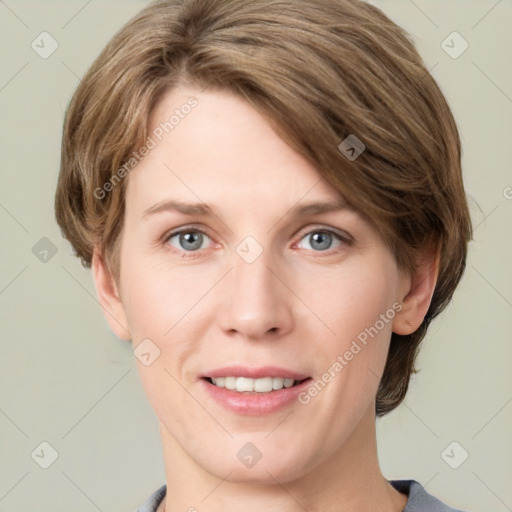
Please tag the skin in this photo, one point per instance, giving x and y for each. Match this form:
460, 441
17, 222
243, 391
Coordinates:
296, 306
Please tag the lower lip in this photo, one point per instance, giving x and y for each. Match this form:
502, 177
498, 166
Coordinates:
255, 404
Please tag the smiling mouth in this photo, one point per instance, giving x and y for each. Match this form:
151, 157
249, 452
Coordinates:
254, 386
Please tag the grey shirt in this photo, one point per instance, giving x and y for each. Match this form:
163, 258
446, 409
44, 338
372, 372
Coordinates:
419, 499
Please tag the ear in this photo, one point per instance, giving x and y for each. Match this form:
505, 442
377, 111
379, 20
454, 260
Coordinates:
416, 295
109, 298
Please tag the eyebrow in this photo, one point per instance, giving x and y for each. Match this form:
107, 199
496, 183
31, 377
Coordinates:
202, 209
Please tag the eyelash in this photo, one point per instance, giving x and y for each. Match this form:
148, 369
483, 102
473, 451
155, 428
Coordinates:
344, 240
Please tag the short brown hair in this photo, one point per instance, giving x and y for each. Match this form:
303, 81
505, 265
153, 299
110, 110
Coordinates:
319, 71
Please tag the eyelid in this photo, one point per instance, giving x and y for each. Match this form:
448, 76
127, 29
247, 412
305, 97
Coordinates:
342, 235
189, 227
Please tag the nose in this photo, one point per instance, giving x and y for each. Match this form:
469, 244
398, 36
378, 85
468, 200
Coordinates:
256, 303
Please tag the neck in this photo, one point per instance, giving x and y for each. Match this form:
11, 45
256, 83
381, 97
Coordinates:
349, 480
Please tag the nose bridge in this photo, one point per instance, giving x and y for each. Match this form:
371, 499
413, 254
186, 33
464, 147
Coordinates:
257, 301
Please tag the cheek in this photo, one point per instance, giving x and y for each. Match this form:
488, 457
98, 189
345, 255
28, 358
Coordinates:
357, 304
158, 296
160, 303
351, 298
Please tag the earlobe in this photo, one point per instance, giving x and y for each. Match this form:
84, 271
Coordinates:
418, 295
108, 297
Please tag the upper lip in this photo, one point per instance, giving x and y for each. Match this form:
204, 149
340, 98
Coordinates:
254, 373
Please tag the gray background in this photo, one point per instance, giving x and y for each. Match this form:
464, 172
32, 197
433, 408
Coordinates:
65, 379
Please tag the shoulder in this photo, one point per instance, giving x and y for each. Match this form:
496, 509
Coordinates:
152, 503
419, 499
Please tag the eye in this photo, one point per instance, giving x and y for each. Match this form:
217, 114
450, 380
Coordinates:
190, 240
321, 240
187, 239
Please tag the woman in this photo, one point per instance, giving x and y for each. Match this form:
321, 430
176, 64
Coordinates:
270, 197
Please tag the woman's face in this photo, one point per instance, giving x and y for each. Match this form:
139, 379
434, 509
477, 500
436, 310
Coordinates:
251, 282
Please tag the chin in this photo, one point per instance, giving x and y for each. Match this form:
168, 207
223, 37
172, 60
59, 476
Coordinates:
265, 470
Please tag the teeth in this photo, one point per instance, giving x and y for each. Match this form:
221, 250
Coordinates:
263, 385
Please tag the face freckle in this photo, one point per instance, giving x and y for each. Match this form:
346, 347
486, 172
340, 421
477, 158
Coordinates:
271, 285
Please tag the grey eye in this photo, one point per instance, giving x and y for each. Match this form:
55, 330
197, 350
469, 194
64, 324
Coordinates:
188, 240
320, 240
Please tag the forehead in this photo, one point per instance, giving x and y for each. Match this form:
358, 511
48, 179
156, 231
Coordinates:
222, 152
